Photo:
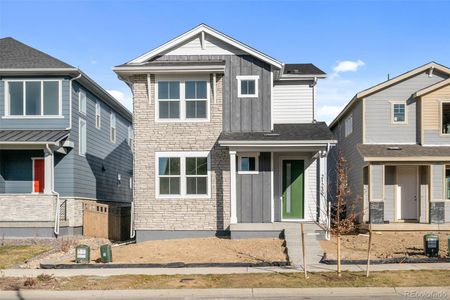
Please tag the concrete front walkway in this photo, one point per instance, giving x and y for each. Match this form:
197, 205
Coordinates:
193, 271
266, 293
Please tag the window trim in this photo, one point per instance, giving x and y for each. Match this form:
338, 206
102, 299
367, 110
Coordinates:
130, 135
247, 77
348, 133
7, 105
111, 127
240, 156
80, 152
183, 100
84, 92
98, 113
441, 111
183, 155
393, 103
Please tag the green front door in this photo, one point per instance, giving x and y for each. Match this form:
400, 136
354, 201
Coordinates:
293, 189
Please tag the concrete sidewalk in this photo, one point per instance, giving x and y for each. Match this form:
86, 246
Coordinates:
243, 270
249, 293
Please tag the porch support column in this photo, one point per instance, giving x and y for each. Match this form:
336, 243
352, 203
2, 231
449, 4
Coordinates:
233, 204
323, 205
48, 171
376, 194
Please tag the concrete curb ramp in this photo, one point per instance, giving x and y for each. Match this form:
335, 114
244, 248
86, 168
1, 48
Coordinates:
382, 293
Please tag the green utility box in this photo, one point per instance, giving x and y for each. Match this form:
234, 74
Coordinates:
82, 254
431, 244
106, 253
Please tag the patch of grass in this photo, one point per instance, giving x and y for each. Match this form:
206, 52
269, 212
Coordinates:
265, 280
11, 255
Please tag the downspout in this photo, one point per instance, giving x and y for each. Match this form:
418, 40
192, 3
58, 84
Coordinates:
328, 220
70, 100
314, 99
58, 208
133, 189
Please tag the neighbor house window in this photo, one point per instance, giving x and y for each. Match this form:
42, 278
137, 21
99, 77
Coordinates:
98, 115
183, 99
348, 124
447, 182
130, 136
247, 86
183, 174
113, 127
445, 109
33, 98
82, 101
398, 112
248, 164
82, 137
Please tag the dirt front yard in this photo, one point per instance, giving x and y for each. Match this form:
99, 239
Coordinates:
384, 245
199, 250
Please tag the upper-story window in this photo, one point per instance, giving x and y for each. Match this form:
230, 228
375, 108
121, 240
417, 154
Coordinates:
399, 113
445, 118
33, 98
82, 101
130, 136
98, 115
113, 127
82, 137
182, 99
248, 86
348, 125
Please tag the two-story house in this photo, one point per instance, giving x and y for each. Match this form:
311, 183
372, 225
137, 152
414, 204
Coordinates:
64, 141
225, 139
396, 139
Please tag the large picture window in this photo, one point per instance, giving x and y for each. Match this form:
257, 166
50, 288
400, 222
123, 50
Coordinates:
33, 98
184, 174
445, 111
182, 99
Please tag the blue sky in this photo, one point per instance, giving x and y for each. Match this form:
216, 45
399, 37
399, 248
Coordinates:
356, 42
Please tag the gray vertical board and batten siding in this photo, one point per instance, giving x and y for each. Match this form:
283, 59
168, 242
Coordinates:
378, 109
253, 193
37, 123
96, 173
240, 114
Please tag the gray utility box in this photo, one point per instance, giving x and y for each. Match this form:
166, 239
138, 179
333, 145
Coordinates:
431, 244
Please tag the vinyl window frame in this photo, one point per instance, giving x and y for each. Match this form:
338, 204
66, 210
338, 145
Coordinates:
98, 115
250, 155
82, 104
113, 127
182, 80
183, 177
82, 142
130, 136
7, 101
241, 78
348, 125
441, 117
393, 103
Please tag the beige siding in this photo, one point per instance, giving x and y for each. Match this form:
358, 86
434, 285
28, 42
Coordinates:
431, 117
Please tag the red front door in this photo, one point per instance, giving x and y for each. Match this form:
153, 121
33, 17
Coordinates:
39, 176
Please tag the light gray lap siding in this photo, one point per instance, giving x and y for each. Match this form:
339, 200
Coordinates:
378, 111
41, 123
389, 193
254, 193
240, 114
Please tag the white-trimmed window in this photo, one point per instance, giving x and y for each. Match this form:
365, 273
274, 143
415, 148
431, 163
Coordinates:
248, 163
445, 117
98, 115
182, 99
348, 125
112, 131
183, 175
33, 98
130, 135
247, 86
82, 99
399, 112
82, 138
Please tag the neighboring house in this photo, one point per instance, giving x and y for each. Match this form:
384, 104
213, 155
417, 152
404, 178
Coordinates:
63, 140
225, 139
396, 139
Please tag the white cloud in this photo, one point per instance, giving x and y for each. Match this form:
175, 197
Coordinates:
348, 66
125, 98
329, 111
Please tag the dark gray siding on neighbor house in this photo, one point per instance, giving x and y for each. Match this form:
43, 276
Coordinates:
41, 123
378, 109
96, 173
347, 146
254, 193
240, 114
17, 170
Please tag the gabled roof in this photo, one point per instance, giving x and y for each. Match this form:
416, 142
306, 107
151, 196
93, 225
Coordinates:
432, 88
429, 66
302, 69
199, 30
17, 55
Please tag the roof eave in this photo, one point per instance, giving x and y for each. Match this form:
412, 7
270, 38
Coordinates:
169, 69
285, 143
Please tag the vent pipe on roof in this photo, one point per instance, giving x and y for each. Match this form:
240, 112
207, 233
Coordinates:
430, 73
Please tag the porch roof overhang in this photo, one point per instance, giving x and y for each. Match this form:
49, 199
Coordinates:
161, 67
283, 136
26, 138
404, 153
